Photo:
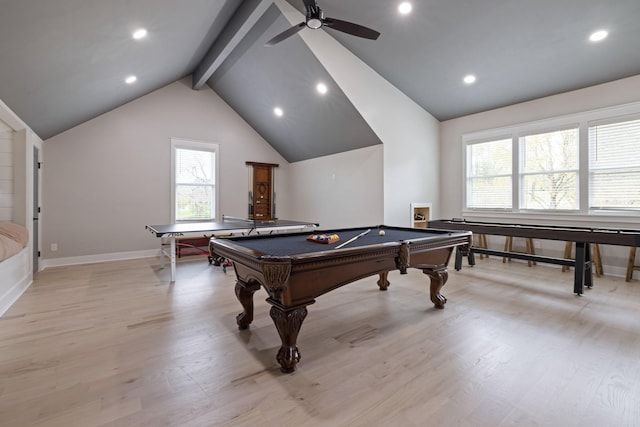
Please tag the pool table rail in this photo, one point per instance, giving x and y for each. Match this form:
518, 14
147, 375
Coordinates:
312, 272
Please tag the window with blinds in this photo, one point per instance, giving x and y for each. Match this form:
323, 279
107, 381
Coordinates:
549, 171
614, 165
587, 163
489, 175
194, 181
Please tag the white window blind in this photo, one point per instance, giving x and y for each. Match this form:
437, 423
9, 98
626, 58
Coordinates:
489, 175
614, 166
194, 183
549, 170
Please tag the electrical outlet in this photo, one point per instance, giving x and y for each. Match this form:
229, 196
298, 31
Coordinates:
54, 247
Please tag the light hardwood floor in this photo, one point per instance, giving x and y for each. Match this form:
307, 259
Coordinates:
115, 344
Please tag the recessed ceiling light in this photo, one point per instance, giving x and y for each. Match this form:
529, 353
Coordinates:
130, 80
404, 8
140, 34
598, 35
322, 88
278, 111
469, 79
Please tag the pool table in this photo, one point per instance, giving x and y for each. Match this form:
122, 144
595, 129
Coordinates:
295, 271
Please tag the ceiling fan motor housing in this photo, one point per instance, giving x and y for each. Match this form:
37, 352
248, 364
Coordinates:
314, 20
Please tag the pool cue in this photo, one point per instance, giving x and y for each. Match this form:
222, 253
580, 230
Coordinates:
352, 239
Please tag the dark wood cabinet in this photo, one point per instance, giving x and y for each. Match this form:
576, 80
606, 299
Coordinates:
262, 191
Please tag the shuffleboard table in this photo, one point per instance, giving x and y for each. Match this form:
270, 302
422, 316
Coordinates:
295, 271
582, 236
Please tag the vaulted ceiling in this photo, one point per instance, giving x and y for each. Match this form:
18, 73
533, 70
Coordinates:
63, 62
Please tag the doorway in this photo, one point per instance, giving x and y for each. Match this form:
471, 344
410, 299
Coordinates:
36, 209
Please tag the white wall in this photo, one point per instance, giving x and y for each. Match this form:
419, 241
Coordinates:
611, 94
409, 134
106, 179
6, 172
342, 190
23, 178
22, 141
606, 95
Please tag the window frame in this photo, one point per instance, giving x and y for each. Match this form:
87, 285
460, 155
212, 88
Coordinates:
195, 145
520, 179
604, 122
582, 121
467, 168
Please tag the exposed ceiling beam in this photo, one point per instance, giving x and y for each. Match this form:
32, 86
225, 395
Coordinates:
240, 24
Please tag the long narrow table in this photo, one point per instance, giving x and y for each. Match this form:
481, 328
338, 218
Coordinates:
583, 237
167, 233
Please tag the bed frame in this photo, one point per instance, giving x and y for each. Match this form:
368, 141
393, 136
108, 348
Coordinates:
15, 278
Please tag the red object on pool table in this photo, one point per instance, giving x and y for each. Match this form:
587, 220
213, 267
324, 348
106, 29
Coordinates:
295, 271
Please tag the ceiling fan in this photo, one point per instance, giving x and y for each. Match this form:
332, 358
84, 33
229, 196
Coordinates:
315, 19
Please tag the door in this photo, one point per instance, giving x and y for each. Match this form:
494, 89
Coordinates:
262, 192
36, 208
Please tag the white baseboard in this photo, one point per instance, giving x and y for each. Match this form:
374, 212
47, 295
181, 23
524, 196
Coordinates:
14, 293
611, 270
90, 259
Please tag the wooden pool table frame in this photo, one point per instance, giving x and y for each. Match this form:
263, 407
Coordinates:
293, 282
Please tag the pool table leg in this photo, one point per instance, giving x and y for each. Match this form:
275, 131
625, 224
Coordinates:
244, 293
288, 322
383, 282
438, 279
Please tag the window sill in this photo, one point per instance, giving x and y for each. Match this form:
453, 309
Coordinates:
573, 219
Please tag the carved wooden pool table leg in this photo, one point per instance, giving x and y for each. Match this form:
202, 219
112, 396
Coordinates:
288, 322
244, 293
438, 279
383, 282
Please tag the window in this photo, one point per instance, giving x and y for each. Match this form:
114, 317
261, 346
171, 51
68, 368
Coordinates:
489, 179
581, 164
549, 170
614, 165
194, 173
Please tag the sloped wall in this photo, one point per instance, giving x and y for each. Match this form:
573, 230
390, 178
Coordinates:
410, 135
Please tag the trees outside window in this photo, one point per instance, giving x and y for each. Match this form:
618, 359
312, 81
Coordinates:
489, 175
549, 170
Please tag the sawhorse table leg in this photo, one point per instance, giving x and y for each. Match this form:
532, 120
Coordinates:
582, 268
172, 257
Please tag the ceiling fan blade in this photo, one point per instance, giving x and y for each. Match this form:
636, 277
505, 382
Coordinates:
351, 28
285, 34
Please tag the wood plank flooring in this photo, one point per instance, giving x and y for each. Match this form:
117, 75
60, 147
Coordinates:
116, 344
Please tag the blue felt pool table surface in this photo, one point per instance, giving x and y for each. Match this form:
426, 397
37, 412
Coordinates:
292, 244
